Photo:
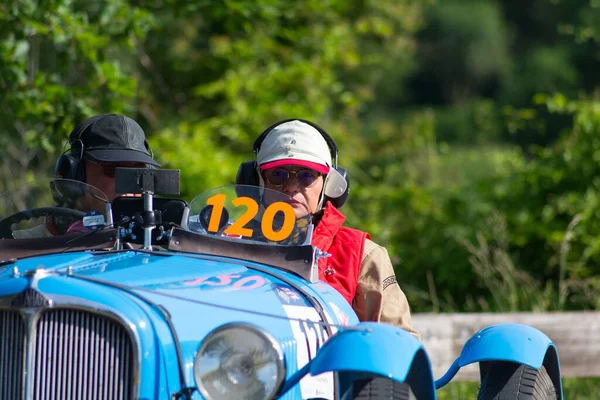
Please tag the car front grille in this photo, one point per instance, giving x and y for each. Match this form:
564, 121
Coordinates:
73, 354
12, 353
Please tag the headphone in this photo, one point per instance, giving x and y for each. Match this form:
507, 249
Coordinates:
248, 171
72, 166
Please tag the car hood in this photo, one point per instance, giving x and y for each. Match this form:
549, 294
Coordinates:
167, 277
199, 293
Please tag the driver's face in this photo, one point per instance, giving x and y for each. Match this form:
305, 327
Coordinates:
101, 175
304, 199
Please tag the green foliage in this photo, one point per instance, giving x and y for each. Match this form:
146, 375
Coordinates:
56, 68
550, 205
573, 389
470, 128
418, 198
473, 122
204, 164
464, 47
237, 67
545, 69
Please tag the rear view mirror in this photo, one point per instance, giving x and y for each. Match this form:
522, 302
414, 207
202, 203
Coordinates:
140, 180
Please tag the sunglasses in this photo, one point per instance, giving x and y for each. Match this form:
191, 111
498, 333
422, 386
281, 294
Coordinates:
110, 169
279, 176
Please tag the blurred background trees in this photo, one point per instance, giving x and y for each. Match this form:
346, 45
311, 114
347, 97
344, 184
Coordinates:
471, 128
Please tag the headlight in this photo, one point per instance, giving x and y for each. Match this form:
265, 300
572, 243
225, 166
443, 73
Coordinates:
239, 361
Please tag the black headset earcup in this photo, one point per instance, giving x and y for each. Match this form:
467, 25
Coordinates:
338, 202
67, 167
247, 174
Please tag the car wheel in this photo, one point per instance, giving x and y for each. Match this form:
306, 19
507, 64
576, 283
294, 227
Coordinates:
507, 380
378, 389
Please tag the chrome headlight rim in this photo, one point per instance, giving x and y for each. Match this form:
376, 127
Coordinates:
280, 359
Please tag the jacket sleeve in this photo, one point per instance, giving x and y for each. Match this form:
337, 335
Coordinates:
378, 294
38, 231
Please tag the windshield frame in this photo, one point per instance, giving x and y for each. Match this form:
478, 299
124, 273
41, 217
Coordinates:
300, 260
269, 217
16, 249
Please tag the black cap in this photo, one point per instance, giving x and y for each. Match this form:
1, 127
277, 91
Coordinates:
111, 138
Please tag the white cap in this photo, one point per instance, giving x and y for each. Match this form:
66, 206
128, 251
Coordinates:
298, 143
294, 143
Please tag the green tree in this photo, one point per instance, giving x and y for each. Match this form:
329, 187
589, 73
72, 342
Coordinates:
230, 69
59, 65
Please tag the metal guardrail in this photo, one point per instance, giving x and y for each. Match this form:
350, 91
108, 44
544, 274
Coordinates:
575, 334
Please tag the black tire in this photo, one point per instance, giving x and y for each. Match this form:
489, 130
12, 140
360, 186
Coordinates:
509, 381
379, 389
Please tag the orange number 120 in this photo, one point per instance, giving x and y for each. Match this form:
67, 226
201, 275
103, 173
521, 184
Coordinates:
238, 227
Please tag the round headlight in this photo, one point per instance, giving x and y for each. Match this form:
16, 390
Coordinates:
239, 361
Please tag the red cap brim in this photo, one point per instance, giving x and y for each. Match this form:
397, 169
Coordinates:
323, 169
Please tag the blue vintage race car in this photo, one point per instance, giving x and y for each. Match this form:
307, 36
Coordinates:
150, 297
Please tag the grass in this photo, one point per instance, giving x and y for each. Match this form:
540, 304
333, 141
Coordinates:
573, 389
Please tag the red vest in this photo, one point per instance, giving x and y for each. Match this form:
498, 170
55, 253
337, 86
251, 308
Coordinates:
346, 246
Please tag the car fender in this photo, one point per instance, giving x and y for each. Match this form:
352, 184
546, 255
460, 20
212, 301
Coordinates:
377, 349
508, 342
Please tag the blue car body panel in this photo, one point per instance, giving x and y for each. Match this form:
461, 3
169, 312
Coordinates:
510, 342
203, 292
402, 352
200, 293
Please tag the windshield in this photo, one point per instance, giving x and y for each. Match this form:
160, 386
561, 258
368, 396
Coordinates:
249, 213
51, 207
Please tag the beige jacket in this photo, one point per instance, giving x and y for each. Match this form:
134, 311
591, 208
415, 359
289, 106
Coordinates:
378, 295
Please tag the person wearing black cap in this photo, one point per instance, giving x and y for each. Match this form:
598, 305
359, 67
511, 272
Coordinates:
98, 146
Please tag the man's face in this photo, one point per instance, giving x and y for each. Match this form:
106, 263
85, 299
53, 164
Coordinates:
101, 175
302, 185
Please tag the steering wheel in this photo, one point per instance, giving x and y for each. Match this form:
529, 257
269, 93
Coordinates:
6, 223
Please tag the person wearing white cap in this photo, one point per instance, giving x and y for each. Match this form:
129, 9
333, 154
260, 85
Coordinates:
298, 158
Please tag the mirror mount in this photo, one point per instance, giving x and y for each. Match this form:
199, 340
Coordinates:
147, 182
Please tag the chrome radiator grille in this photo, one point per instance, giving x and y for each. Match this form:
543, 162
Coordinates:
12, 354
74, 354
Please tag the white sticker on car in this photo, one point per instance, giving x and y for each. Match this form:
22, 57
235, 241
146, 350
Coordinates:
310, 336
93, 220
